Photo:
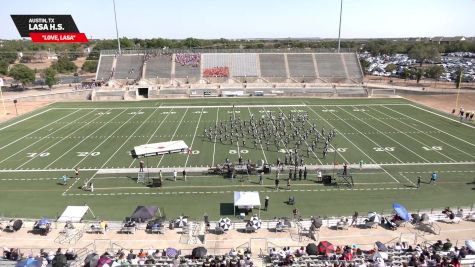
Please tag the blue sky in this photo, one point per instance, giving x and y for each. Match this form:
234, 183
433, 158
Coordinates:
254, 18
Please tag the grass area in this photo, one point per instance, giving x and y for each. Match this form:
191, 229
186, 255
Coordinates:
401, 139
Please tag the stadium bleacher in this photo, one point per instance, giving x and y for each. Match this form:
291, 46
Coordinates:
301, 65
272, 65
128, 67
104, 70
330, 66
187, 66
177, 68
353, 67
159, 67
244, 65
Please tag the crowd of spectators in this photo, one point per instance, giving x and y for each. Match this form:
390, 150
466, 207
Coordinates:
43, 258
439, 254
188, 59
235, 258
216, 72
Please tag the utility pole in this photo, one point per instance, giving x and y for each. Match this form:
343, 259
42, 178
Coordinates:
339, 28
116, 28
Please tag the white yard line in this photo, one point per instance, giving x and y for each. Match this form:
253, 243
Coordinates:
128, 138
425, 133
153, 134
390, 175
82, 140
371, 140
176, 130
407, 179
263, 153
411, 138
58, 142
237, 142
340, 133
95, 148
193, 140
215, 136
460, 139
39, 140
392, 139
313, 152
22, 120
445, 117
244, 106
16, 140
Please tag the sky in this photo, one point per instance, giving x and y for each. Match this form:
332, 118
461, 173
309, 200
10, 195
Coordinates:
177, 19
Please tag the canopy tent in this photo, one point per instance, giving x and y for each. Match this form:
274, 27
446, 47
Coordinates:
156, 149
73, 214
247, 200
144, 213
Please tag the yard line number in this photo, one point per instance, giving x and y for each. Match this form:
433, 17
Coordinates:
384, 149
79, 154
432, 148
243, 151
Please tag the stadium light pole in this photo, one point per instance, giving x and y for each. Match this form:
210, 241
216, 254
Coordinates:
339, 27
116, 28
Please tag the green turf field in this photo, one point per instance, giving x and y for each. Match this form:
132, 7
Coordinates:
401, 139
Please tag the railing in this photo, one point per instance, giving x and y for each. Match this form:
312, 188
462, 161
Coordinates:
208, 50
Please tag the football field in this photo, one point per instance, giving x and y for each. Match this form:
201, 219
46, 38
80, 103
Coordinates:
396, 140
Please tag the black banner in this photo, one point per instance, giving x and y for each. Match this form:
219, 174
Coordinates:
27, 24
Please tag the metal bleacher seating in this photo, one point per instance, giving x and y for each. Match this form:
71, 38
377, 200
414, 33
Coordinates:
105, 67
244, 65
187, 71
159, 66
330, 66
272, 65
128, 67
301, 65
352, 65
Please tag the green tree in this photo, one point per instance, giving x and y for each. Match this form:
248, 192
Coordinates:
364, 64
406, 73
50, 77
64, 65
390, 68
418, 74
22, 74
3, 67
434, 72
422, 53
90, 66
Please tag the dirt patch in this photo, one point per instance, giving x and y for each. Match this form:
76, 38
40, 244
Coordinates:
445, 103
21, 108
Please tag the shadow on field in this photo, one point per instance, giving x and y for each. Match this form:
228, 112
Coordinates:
226, 208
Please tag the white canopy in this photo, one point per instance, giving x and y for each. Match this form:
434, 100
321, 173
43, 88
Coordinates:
73, 213
247, 199
160, 148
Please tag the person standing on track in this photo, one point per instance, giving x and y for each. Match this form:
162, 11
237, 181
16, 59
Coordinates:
184, 175
433, 178
174, 175
141, 165
418, 181
76, 172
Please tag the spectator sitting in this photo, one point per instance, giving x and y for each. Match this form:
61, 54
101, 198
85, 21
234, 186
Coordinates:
131, 255
142, 254
447, 245
70, 255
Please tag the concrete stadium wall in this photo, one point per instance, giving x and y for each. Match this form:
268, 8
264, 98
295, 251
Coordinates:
79, 95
